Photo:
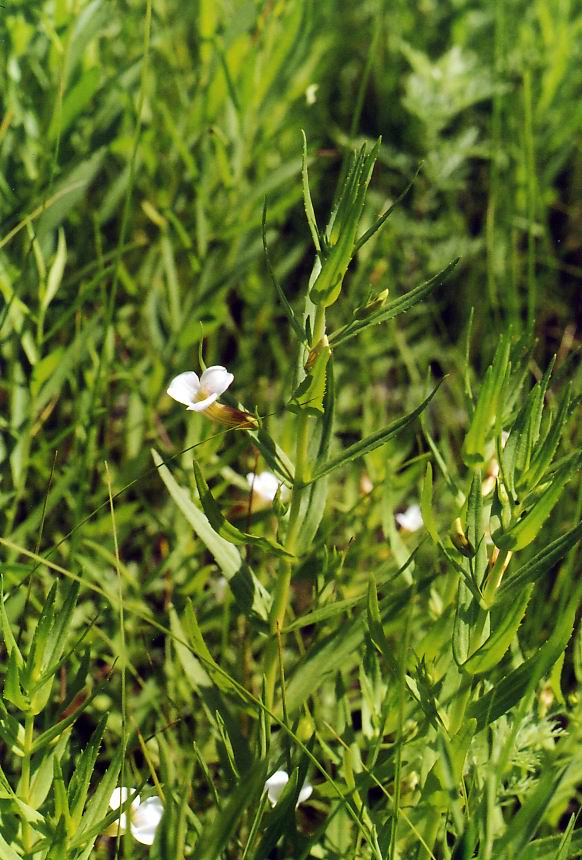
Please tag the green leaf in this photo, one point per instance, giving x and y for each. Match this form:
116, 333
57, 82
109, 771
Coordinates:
98, 816
6, 852
385, 215
12, 686
275, 457
81, 779
485, 414
370, 443
539, 564
56, 271
516, 455
205, 686
308, 397
315, 495
545, 452
340, 648
392, 309
195, 637
6, 628
523, 826
216, 835
426, 505
524, 679
569, 844
250, 595
342, 234
307, 202
526, 529
492, 650
225, 529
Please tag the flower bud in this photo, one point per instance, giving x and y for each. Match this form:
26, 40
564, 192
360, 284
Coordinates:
231, 417
372, 306
461, 541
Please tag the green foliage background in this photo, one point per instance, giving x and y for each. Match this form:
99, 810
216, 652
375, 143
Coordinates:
138, 142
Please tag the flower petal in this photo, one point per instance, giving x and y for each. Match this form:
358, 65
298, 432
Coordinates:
275, 785
216, 379
265, 484
202, 404
120, 795
146, 819
184, 387
305, 793
411, 519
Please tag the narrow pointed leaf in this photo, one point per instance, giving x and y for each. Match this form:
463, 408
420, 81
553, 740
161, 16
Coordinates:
216, 836
250, 595
540, 564
392, 309
225, 529
370, 443
491, 652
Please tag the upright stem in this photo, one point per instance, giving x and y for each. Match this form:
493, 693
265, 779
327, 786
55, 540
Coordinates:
281, 596
25, 778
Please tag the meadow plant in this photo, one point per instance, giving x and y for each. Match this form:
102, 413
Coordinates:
340, 620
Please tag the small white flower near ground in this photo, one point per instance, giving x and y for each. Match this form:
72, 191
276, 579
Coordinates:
411, 519
219, 587
144, 818
197, 394
275, 784
311, 94
264, 485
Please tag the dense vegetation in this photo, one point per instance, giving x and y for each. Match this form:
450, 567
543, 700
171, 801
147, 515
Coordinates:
369, 214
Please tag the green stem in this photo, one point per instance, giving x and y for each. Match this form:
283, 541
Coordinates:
281, 596
283, 586
25, 777
318, 325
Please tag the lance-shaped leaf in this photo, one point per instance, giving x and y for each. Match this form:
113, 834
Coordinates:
314, 497
492, 650
392, 309
545, 452
516, 839
539, 564
341, 237
522, 680
516, 455
385, 215
307, 202
308, 397
426, 505
225, 529
374, 440
250, 595
219, 831
488, 403
521, 533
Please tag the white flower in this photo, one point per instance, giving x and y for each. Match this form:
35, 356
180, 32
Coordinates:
276, 783
411, 519
265, 485
311, 94
144, 818
219, 587
199, 394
